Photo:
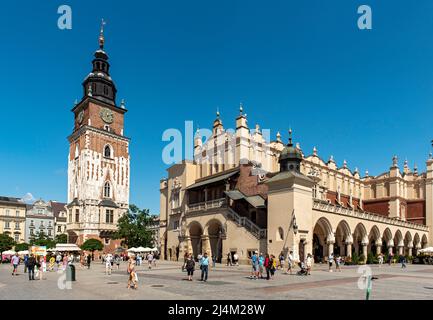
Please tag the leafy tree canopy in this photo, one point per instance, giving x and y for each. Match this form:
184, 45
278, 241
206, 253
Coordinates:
6, 242
92, 245
41, 239
61, 238
133, 228
22, 247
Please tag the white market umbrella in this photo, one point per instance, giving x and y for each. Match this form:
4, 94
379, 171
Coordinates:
154, 249
66, 247
132, 249
8, 252
147, 249
141, 249
23, 252
426, 250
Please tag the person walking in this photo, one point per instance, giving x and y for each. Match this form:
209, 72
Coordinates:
331, 261
149, 260
290, 262
261, 265
229, 259
58, 261
108, 265
190, 266
380, 260
267, 264
132, 279
26, 259
15, 261
309, 263
403, 262
204, 263
236, 259
42, 267
338, 263
390, 258
117, 259
31, 263
281, 259
255, 266
273, 265
89, 260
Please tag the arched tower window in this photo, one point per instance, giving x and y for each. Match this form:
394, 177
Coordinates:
107, 151
107, 190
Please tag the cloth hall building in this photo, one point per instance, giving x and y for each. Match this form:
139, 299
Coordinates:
242, 194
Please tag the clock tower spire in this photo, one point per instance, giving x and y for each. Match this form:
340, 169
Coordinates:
98, 162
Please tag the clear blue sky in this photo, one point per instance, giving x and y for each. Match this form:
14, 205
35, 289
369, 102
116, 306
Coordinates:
362, 96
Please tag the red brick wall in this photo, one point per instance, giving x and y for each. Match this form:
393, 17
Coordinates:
416, 211
248, 184
380, 207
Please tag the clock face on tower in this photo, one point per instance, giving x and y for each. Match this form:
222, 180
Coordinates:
107, 115
80, 117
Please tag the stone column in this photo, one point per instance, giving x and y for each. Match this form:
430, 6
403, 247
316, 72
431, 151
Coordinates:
401, 247
390, 246
330, 240
205, 244
378, 246
349, 249
410, 250
349, 243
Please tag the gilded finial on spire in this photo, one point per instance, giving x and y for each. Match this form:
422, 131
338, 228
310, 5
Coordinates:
101, 35
241, 108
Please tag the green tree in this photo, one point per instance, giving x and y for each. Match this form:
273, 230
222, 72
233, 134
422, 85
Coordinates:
40, 239
133, 228
92, 245
22, 247
6, 242
61, 238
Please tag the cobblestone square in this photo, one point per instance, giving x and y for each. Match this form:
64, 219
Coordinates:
167, 282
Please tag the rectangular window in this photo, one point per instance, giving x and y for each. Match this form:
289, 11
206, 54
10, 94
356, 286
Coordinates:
17, 238
77, 215
17, 213
59, 229
31, 232
17, 225
109, 216
49, 233
7, 212
176, 224
7, 225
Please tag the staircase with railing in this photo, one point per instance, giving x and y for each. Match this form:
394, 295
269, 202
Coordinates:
254, 229
247, 224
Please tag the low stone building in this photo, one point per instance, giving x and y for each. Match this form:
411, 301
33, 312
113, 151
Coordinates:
60, 217
12, 218
242, 194
39, 218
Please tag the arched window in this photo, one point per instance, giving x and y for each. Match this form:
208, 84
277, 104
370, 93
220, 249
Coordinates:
107, 190
280, 234
107, 151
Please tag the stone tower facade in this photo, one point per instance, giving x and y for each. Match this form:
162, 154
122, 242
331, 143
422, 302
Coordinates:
98, 161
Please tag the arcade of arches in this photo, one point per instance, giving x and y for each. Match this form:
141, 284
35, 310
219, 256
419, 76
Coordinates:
346, 238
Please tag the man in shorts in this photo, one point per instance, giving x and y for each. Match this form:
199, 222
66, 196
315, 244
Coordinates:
255, 265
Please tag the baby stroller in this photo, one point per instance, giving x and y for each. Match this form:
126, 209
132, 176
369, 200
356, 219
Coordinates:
303, 271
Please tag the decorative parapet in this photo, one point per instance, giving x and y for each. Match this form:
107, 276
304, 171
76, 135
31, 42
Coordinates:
352, 212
